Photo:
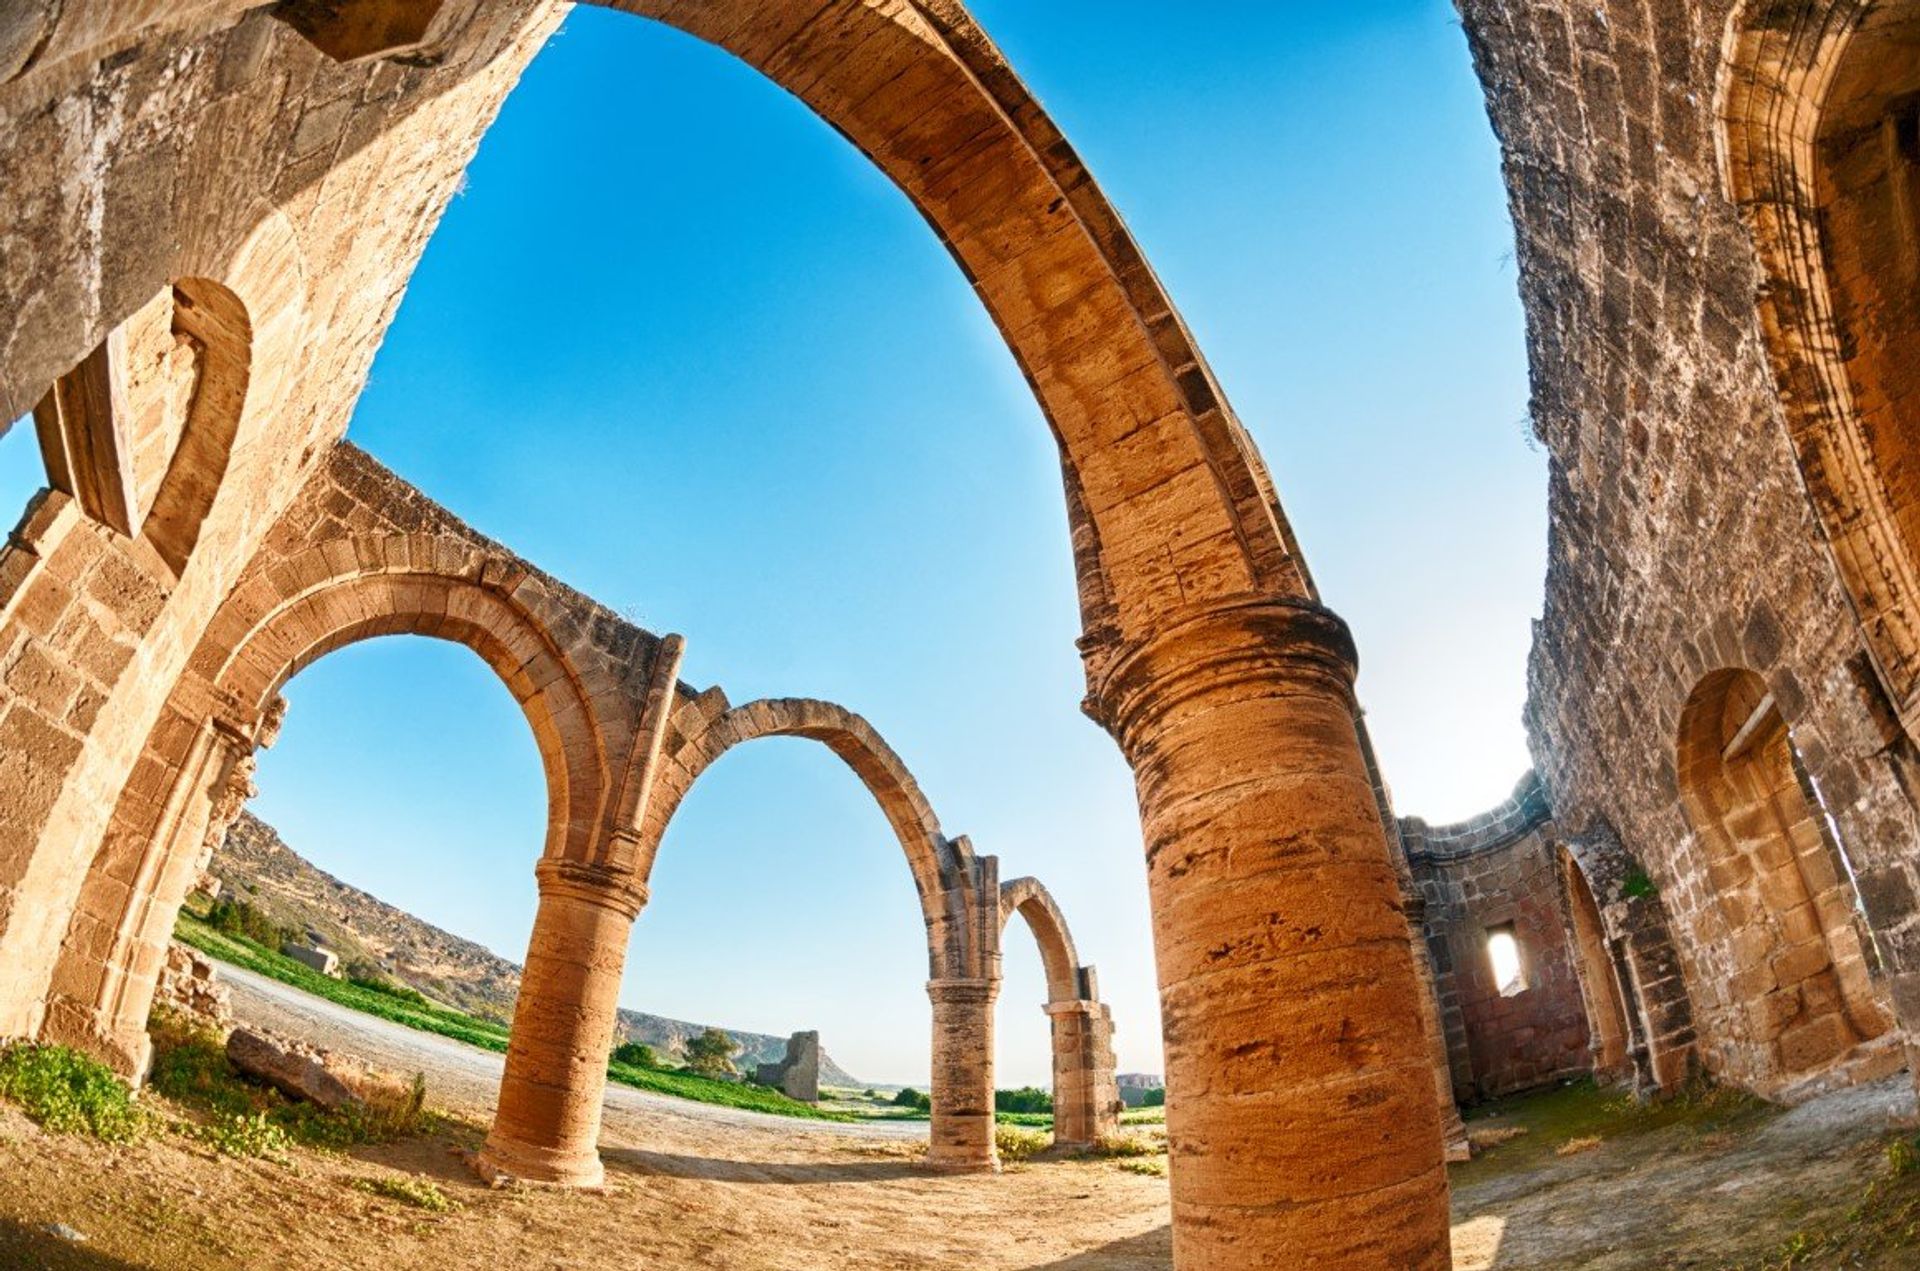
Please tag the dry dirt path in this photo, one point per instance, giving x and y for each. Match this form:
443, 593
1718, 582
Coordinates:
468, 1078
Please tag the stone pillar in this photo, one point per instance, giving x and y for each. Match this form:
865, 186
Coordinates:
1301, 1104
961, 1136
547, 1128
1453, 1131
1085, 1096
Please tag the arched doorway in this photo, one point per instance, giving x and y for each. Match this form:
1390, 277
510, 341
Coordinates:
1599, 978
1783, 895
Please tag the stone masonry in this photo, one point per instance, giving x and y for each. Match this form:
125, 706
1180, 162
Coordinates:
1501, 872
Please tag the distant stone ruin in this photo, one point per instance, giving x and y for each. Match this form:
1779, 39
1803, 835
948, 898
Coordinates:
798, 1074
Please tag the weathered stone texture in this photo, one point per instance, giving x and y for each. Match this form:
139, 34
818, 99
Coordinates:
1682, 540
1501, 871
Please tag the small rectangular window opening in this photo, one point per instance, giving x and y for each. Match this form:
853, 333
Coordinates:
1509, 976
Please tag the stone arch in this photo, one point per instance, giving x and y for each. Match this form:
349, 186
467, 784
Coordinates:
195, 771
1784, 902
943, 869
1086, 1098
352, 607
1600, 985
1147, 437
1029, 898
1820, 154
959, 893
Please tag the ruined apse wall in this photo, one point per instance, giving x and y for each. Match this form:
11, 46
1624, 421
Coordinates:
1500, 870
224, 148
1682, 541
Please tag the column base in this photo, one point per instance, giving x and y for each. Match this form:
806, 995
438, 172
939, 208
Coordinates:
960, 1165
502, 1159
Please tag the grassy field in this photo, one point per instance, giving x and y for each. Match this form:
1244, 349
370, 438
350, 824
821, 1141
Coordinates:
486, 1034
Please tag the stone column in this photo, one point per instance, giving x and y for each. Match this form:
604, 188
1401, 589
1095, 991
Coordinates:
961, 1136
1301, 1105
1084, 1091
548, 1126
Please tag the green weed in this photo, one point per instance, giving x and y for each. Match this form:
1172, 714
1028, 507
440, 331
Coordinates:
67, 1092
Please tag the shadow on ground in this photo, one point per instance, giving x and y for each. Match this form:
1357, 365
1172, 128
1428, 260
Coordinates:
1154, 1249
675, 1165
23, 1245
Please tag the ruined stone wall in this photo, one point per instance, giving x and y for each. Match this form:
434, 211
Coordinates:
1682, 541
1499, 871
227, 149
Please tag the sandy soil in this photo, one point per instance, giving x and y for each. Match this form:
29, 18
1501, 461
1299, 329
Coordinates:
698, 1186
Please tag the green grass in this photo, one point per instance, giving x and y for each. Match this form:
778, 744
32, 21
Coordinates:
429, 1018
1144, 1116
65, 1091
730, 1094
421, 1193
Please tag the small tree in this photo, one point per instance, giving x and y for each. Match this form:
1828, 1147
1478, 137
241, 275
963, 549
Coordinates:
635, 1055
711, 1054
911, 1098
1156, 1098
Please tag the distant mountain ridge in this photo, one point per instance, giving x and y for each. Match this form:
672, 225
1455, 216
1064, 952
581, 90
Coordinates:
256, 865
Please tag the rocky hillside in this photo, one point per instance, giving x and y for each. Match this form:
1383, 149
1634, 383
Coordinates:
256, 865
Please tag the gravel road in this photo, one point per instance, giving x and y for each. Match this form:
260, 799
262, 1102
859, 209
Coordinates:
466, 1077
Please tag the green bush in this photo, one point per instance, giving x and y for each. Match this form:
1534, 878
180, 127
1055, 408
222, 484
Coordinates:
399, 992
1025, 1099
1156, 1098
908, 1097
65, 1091
635, 1055
239, 918
1017, 1143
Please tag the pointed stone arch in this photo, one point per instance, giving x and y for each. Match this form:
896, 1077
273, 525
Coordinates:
703, 729
1086, 1098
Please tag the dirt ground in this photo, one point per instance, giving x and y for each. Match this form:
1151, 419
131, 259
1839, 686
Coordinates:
1723, 1185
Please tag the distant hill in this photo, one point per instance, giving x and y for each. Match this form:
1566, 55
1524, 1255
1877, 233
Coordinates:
256, 865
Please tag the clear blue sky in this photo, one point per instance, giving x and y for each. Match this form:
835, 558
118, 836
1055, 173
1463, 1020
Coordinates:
680, 345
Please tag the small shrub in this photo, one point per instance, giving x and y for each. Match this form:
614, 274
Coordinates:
1156, 1098
1016, 1143
1151, 1166
1573, 1147
421, 1193
1638, 884
1903, 1156
66, 1092
908, 1097
635, 1055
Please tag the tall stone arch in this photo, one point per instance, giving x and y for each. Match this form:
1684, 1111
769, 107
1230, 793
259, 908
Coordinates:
1819, 160
1210, 660
1086, 1098
958, 892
